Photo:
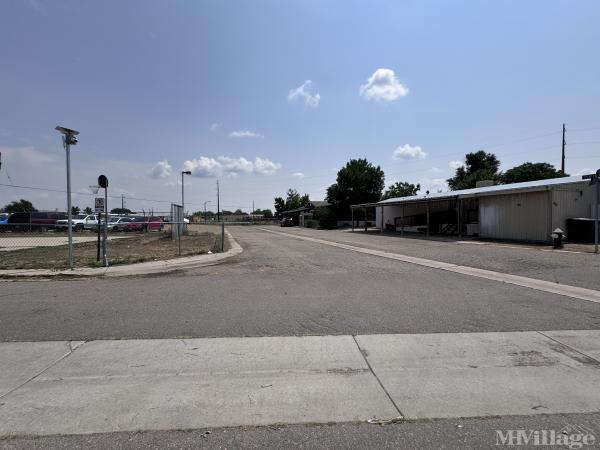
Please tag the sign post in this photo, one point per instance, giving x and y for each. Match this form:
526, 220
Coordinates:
103, 183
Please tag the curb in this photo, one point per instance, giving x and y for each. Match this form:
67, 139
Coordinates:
124, 270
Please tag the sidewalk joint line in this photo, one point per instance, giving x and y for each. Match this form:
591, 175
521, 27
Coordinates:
66, 355
376, 377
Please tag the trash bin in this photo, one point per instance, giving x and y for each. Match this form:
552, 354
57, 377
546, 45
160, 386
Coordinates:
557, 236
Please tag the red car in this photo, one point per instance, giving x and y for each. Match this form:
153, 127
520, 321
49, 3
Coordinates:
148, 223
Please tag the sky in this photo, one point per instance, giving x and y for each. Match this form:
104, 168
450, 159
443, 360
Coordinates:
269, 95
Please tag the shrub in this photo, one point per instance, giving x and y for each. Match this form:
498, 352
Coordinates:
327, 218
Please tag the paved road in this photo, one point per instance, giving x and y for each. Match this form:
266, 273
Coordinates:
282, 286
462, 434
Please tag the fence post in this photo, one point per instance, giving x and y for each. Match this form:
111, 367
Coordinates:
222, 236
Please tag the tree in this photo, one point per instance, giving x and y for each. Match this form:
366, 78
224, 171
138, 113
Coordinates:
479, 166
120, 211
531, 172
401, 189
88, 210
75, 210
239, 212
267, 213
279, 206
358, 182
19, 206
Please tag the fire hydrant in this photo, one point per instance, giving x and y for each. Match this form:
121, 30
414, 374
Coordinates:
557, 236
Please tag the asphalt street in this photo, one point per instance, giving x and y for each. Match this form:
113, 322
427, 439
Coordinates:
460, 434
282, 286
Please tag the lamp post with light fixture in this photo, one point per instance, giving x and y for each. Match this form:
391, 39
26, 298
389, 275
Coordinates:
69, 138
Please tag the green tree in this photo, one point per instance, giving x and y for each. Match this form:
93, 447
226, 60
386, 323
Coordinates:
88, 210
326, 217
401, 189
279, 206
479, 166
19, 206
120, 211
75, 210
267, 213
531, 172
358, 182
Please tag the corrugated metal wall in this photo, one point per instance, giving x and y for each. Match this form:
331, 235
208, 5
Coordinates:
524, 216
569, 202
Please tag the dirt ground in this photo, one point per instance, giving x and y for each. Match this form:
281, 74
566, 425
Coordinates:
141, 247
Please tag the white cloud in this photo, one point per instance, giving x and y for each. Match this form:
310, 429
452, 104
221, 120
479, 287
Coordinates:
383, 86
265, 166
408, 151
244, 134
215, 126
160, 170
306, 93
298, 175
435, 169
455, 164
207, 167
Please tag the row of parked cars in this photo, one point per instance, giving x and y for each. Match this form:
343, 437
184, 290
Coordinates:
43, 221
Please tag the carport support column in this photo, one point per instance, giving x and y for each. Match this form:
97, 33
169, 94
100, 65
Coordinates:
381, 220
459, 217
401, 222
427, 204
352, 212
365, 210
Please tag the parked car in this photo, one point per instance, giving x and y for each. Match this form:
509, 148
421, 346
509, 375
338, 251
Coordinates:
39, 221
4, 221
114, 223
148, 223
79, 222
286, 222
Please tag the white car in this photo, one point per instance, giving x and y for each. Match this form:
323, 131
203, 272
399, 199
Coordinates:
79, 222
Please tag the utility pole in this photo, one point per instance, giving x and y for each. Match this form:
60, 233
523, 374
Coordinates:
122, 201
562, 165
218, 204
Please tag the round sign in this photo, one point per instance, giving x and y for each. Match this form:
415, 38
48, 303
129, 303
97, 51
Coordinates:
103, 181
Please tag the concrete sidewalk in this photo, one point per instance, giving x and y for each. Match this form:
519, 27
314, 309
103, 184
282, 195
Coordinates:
125, 385
144, 268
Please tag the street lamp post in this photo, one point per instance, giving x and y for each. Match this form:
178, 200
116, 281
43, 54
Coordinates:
69, 138
183, 172
207, 201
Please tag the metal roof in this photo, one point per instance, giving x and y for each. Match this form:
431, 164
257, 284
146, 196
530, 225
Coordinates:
499, 189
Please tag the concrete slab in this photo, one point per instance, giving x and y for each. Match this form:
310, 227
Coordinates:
22, 360
175, 384
482, 374
584, 341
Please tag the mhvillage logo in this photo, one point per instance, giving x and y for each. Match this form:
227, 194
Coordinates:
571, 436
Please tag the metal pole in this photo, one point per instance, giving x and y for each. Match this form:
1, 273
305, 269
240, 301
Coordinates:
352, 210
182, 201
365, 211
381, 231
562, 165
104, 255
98, 248
460, 218
402, 225
222, 236
218, 204
597, 216
69, 214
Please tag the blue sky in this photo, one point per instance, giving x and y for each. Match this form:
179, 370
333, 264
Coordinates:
156, 87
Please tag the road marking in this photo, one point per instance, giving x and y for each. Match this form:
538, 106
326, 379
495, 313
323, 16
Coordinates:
531, 283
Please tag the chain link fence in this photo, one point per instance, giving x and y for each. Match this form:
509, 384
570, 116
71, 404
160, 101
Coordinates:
31, 244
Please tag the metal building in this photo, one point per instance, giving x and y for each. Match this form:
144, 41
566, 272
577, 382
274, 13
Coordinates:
527, 211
